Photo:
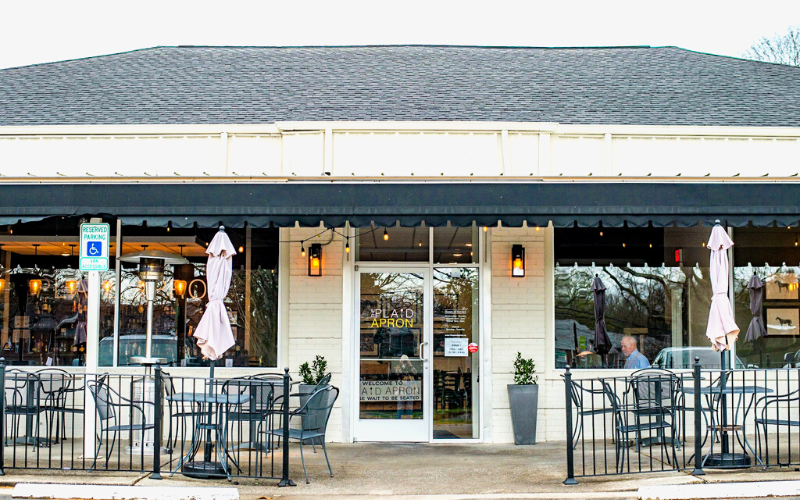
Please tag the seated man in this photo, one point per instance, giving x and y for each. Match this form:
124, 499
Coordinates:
635, 360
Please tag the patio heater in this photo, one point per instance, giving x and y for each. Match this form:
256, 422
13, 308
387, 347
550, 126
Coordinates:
151, 271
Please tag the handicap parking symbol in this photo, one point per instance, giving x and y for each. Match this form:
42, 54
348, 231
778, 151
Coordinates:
94, 248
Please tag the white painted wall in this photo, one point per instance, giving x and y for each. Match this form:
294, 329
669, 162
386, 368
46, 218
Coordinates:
518, 320
315, 311
398, 150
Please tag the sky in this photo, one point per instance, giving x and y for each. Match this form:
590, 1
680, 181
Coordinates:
48, 31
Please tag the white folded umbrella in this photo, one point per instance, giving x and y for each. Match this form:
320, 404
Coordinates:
214, 334
722, 330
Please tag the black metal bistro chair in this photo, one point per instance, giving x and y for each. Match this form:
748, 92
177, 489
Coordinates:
23, 398
315, 415
179, 411
778, 410
58, 393
628, 421
255, 412
107, 403
583, 394
656, 395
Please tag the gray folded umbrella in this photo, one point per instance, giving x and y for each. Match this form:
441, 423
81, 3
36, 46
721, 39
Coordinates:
756, 328
602, 344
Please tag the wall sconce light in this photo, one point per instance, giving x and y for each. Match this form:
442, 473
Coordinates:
517, 261
179, 287
35, 286
315, 260
72, 287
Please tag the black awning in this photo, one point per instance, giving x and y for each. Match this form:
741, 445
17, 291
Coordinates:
334, 203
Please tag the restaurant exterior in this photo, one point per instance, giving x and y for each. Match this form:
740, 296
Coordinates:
415, 215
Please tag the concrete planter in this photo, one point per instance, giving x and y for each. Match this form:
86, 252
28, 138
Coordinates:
524, 403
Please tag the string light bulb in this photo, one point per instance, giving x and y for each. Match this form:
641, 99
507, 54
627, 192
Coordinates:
241, 249
385, 235
302, 250
347, 246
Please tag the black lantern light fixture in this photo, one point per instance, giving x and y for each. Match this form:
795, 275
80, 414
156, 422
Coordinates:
517, 261
315, 260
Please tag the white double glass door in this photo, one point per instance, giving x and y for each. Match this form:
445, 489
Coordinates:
394, 334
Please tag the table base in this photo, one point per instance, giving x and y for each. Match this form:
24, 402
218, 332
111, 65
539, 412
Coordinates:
727, 461
204, 470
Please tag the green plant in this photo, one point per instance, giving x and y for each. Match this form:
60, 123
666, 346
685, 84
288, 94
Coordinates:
319, 366
305, 374
524, 370
311, 375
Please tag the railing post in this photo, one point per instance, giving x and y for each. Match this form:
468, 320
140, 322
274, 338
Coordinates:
698, 421
570, 480
285, 481
157, 419
2, 415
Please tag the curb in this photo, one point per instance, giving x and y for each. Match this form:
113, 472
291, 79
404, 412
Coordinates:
721, 490
102, 492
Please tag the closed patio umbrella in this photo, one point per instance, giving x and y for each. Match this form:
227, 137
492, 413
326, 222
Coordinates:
756, 328
602, 344
214, 334
722, 330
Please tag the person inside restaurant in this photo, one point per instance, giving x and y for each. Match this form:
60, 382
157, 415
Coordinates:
634, 359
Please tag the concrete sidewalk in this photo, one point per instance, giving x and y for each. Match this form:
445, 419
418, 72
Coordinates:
441, 471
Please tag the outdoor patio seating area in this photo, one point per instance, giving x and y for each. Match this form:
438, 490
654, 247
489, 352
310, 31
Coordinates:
208, 427
658, 420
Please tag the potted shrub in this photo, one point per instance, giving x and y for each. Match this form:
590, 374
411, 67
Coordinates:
523, 397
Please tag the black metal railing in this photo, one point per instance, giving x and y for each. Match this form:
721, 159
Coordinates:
657, 420
157, 422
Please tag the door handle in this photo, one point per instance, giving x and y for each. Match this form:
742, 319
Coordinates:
422, 351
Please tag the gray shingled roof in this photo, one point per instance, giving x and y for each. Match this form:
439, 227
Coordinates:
626, 85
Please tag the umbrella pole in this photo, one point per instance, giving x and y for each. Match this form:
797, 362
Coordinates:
723, 399
207, 450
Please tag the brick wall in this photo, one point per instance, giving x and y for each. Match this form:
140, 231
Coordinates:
315, 312
518, 320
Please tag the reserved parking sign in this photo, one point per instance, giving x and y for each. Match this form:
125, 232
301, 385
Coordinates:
94, 247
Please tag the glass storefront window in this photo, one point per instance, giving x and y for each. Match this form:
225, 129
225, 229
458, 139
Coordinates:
455, 368
393, 244
773, 254
43, 297
455, 245
657, 292
391, 332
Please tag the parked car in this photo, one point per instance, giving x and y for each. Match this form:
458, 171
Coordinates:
164, 346
683, 357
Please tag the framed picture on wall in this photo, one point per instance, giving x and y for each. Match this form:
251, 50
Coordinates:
782, 286
782, 321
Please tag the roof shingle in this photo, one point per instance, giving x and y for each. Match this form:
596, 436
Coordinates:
248, 85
